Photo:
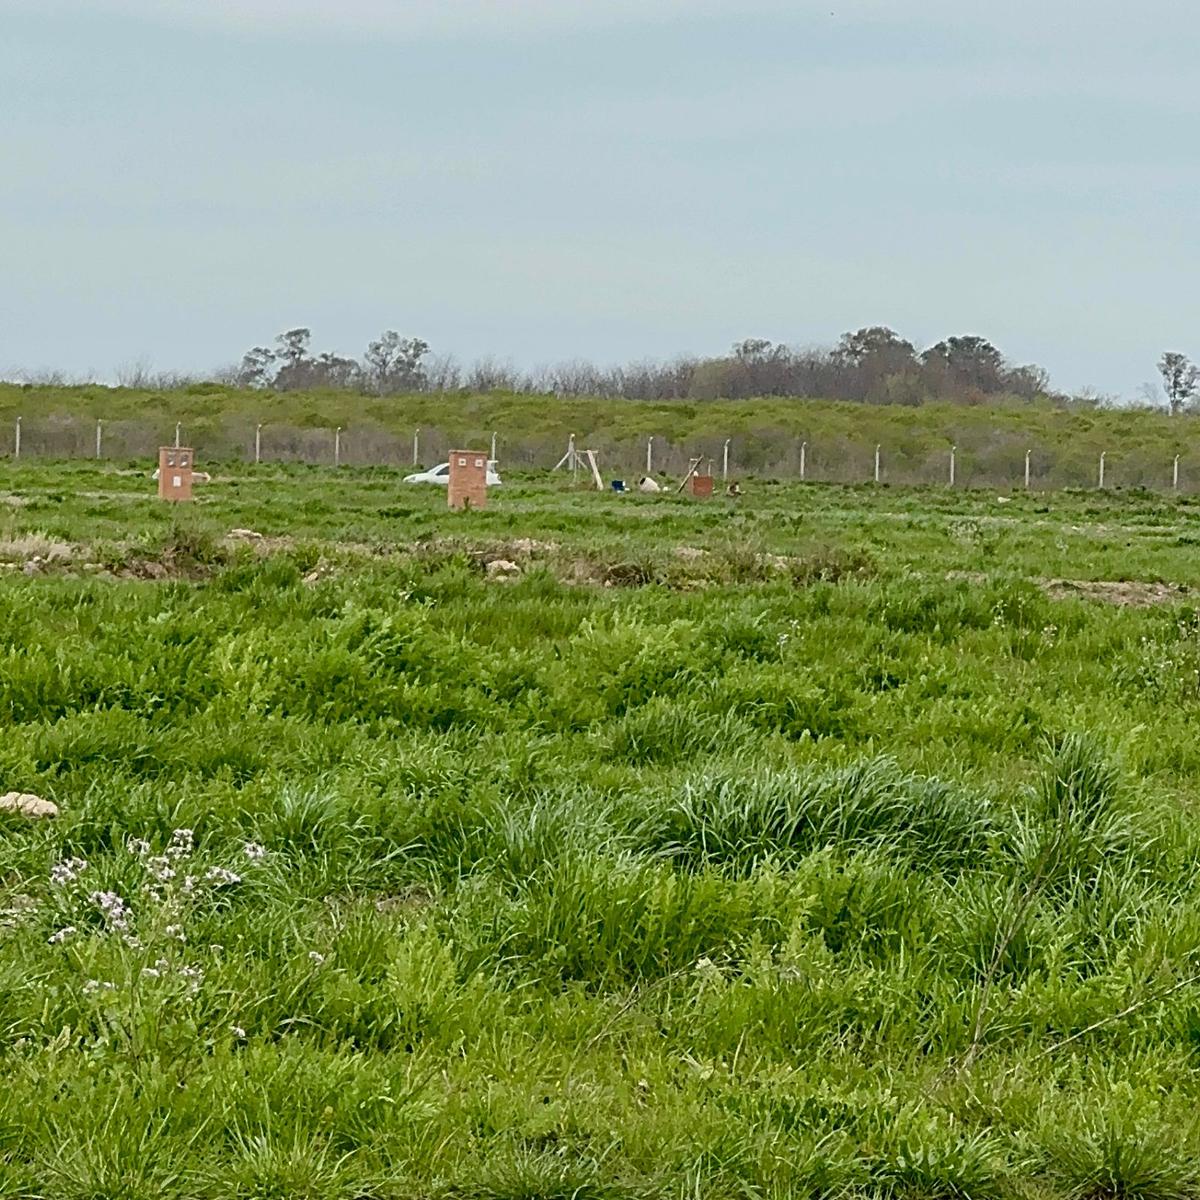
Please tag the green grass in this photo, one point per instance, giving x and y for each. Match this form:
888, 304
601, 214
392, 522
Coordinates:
992, 439
838, 855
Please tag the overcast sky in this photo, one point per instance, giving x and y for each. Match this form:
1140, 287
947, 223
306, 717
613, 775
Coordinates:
548, 179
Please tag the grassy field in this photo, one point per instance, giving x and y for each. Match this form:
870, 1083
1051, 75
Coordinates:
765, 434
830, 842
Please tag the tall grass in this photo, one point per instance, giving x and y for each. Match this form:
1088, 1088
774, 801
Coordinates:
386, 880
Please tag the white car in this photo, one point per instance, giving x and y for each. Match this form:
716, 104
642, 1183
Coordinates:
441, 474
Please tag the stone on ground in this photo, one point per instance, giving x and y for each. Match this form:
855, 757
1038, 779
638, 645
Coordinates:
27, 805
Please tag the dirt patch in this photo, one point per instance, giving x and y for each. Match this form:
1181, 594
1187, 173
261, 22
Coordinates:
1127, 593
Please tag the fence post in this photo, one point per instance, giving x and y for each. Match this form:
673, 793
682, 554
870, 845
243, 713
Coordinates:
337, 446
803, 459
650, 456
177, 428
725, 462
1103, 453
1175, 475
17, 440
1027, 454
416, 445
877, 463
99, 436
953, 452
258, 443
493, 447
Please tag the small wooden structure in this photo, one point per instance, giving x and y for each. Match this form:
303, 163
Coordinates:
175, 467
467, 486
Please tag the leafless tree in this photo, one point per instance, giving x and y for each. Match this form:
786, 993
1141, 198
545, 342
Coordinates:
443, 374
490, 375
135, 374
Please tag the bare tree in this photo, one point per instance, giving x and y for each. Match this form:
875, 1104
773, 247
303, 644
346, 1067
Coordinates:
489, 375
135, 374
1181, 379
443, 374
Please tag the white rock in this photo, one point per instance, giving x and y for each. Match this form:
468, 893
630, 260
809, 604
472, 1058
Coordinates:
28, 805
501, 568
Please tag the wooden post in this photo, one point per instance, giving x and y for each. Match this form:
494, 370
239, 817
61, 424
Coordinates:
337, 446
99, 436
650, 456
1175, 475
416, 445
953, 451
493, 447
725, 463
693, 467
17, 440
258, 443
591, 458
1027, 454
1103, 453
177, 427
876, 463
803, 455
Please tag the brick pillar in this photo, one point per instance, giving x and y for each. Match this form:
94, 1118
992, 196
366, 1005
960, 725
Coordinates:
175, 465
702, 486
468, 479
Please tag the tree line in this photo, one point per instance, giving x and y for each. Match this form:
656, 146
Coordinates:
874, 365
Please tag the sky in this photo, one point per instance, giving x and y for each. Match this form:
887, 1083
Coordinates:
544, 180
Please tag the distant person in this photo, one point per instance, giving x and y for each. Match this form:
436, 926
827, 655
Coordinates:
646, 484
733, 491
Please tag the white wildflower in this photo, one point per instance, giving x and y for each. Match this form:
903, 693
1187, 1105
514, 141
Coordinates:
316, 956
176, 932
221, 876
183, 842
254, 851
161, 868
237, 1031
139, 846
66, 932
116, 911
67, 871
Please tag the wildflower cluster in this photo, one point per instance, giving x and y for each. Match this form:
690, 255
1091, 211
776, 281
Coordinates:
172, 885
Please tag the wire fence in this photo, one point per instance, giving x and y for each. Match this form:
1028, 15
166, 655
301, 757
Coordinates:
1000, 460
